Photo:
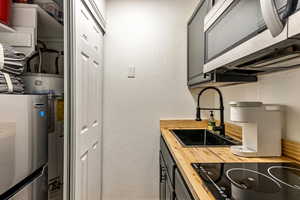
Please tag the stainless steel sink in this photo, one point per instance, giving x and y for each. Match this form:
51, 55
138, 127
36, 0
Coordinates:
202, 138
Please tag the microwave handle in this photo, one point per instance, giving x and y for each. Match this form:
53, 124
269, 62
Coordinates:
271, 17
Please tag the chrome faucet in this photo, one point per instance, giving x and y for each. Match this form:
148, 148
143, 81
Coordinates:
220, 128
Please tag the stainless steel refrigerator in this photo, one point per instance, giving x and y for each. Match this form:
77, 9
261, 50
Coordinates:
23, 147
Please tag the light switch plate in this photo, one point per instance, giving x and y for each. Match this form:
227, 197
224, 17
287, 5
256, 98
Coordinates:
131, 72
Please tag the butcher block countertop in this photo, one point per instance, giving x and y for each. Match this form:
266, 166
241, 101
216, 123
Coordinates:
185, 156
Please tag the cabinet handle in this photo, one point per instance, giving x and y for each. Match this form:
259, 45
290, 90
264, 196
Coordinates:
163, 178
162, 175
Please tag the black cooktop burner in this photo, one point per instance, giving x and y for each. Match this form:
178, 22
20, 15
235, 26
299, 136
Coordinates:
288, 176
251, 181
247, 179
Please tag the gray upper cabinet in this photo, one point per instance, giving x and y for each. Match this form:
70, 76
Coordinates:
196, 43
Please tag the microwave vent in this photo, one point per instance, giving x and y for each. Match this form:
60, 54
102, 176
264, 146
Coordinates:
277, 60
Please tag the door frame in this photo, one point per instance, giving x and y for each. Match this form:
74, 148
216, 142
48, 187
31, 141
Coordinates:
69, 102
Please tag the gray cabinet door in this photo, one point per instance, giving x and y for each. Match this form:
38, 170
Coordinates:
166, 190
196, 43
168, 159
181, 190
162, 179
169, 190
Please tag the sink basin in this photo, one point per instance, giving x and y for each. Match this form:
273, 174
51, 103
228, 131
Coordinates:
202, 137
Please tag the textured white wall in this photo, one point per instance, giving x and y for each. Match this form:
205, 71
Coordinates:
150, 35
277, 88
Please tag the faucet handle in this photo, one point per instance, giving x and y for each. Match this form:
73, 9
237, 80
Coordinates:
220, 129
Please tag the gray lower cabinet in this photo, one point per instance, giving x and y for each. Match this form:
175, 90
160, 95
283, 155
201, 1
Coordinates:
166, 187
172, 185
169, 161
169, 190
181, 190
167, 166
162, 179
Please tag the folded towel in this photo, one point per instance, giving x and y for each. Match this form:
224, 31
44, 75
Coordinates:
11, 84
11, 54
12, 65
11, 61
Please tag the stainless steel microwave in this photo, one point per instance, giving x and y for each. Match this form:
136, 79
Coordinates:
252, 35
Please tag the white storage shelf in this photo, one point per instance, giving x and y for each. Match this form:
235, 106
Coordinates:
47, 26
29, 23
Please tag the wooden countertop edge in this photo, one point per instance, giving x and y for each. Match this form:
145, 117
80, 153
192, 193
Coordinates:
185, 156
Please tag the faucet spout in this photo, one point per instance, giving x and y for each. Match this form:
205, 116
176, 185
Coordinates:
221, 128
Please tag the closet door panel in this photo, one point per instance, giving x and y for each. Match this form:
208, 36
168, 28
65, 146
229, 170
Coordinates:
84, 179
88, 98
94, 175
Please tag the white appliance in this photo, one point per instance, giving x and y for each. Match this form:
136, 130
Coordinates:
252, 37
262, 128
53, 86
23, 147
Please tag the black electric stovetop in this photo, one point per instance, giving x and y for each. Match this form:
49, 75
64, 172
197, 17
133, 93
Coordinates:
251, 181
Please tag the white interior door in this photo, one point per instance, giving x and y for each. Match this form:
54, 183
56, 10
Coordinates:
87, 100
